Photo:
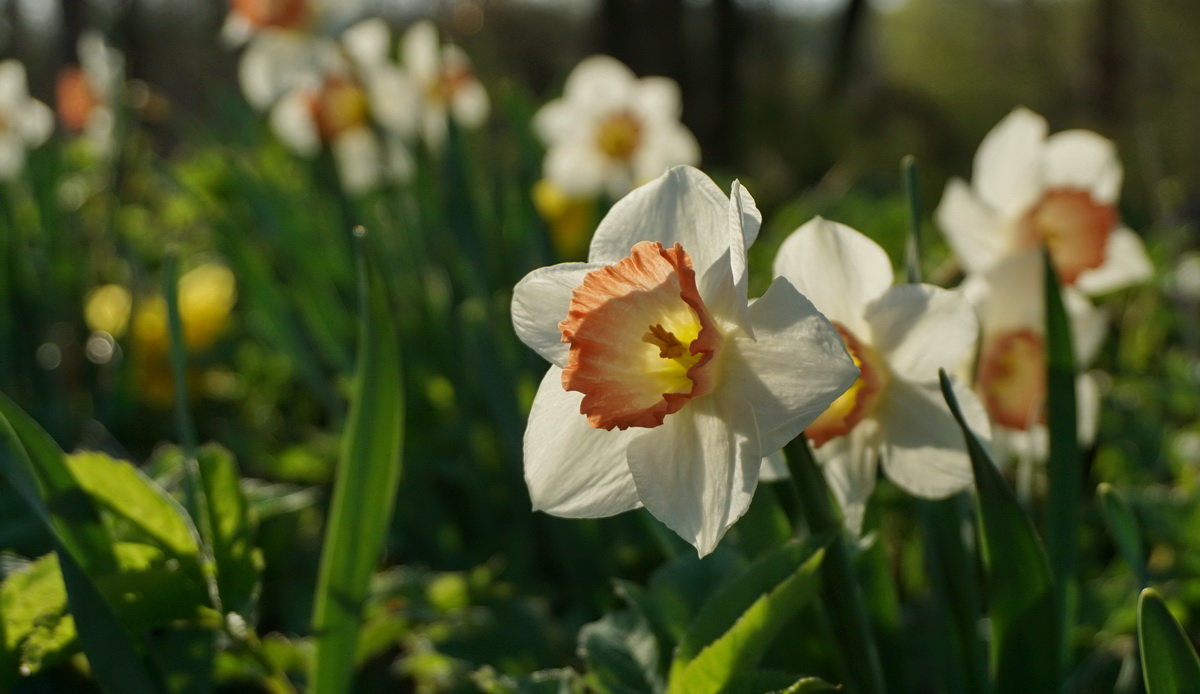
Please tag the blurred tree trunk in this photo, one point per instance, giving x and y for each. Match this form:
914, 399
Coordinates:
845, 47
722, 134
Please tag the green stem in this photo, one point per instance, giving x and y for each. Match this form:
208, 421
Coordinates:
912, 250
839, 587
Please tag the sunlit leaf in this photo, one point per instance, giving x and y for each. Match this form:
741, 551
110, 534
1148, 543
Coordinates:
1169, 662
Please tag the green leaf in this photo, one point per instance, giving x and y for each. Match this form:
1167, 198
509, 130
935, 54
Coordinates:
772, 682
736, 625
1064, 467
38, 469
1123, 528
37, 628
121, 489
1169, 662
364, 490
239, 563
1023, 611
622, 653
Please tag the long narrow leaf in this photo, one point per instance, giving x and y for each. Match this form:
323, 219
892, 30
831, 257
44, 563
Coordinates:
1123, 528
364, 491
1020, 590
1064, 469
1169, 662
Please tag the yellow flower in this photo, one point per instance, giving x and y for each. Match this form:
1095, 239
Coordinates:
106, 309
569, 219
206, 297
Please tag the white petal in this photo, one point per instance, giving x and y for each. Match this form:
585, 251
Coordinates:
973, 230
471, 104
919, 328
682, 206
1087, 407
12, 156
421, 52
556, 121
1083, 160
1008, 163
395, 99
540, 300
1009, 295
664, 147
658, 98
924, 451
792, 370
273, 63
367, 42
433, 125
1089, 326
1125, 263
14, 87
359, 160
399, 164
850, 466
571, 468
727, 291
774, 468
577, 169
291, 119
36, 123
600, 81
236, 30
697, 472
839, 269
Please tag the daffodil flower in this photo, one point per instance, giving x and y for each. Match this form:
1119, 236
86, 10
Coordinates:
1010, 373
25, 122
666, 386
899, 336
447, 82
339, 105
248, 17
85, 93
1029, 190
611, 131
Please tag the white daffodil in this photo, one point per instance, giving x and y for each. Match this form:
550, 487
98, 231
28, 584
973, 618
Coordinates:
447, 82
611, 131
1010, 375
25, 122
1060, 191
666, 387
86, 93
249, 17
900, 336
358, 104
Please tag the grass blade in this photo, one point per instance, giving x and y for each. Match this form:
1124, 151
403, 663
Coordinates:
912, 247
1064, 468
1123, 528
839, 587
365, 488
1020, 589
1169, 662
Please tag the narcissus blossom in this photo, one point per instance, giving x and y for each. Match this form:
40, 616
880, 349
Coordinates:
1010, 372
357, 103
666, 386
248, 17
25, 122
446, 81
611, 131
1031, 189
899, 336
85, 94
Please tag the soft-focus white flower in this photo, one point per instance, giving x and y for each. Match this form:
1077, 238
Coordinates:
1029, 189
248, 18
356, 102
86, 93
611, 131
25, 122
900, 336
667, 388
446, 80
1010, 374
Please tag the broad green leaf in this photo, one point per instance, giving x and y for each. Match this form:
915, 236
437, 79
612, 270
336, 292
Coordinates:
239, 563
1064, 467
37, 467
364, 490
1022, 607
772, 682
622, 654
736, 625
122, 489
37, 628
1123, 528
1169, 662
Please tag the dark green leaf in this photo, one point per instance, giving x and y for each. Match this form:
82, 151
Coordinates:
1169, 662
1123, 528
1020, 590
622, 654
239, 564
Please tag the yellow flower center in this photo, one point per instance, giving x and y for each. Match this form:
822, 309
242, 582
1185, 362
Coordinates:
860, 400
642, 341
1073, 226
339, 105
619, 135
